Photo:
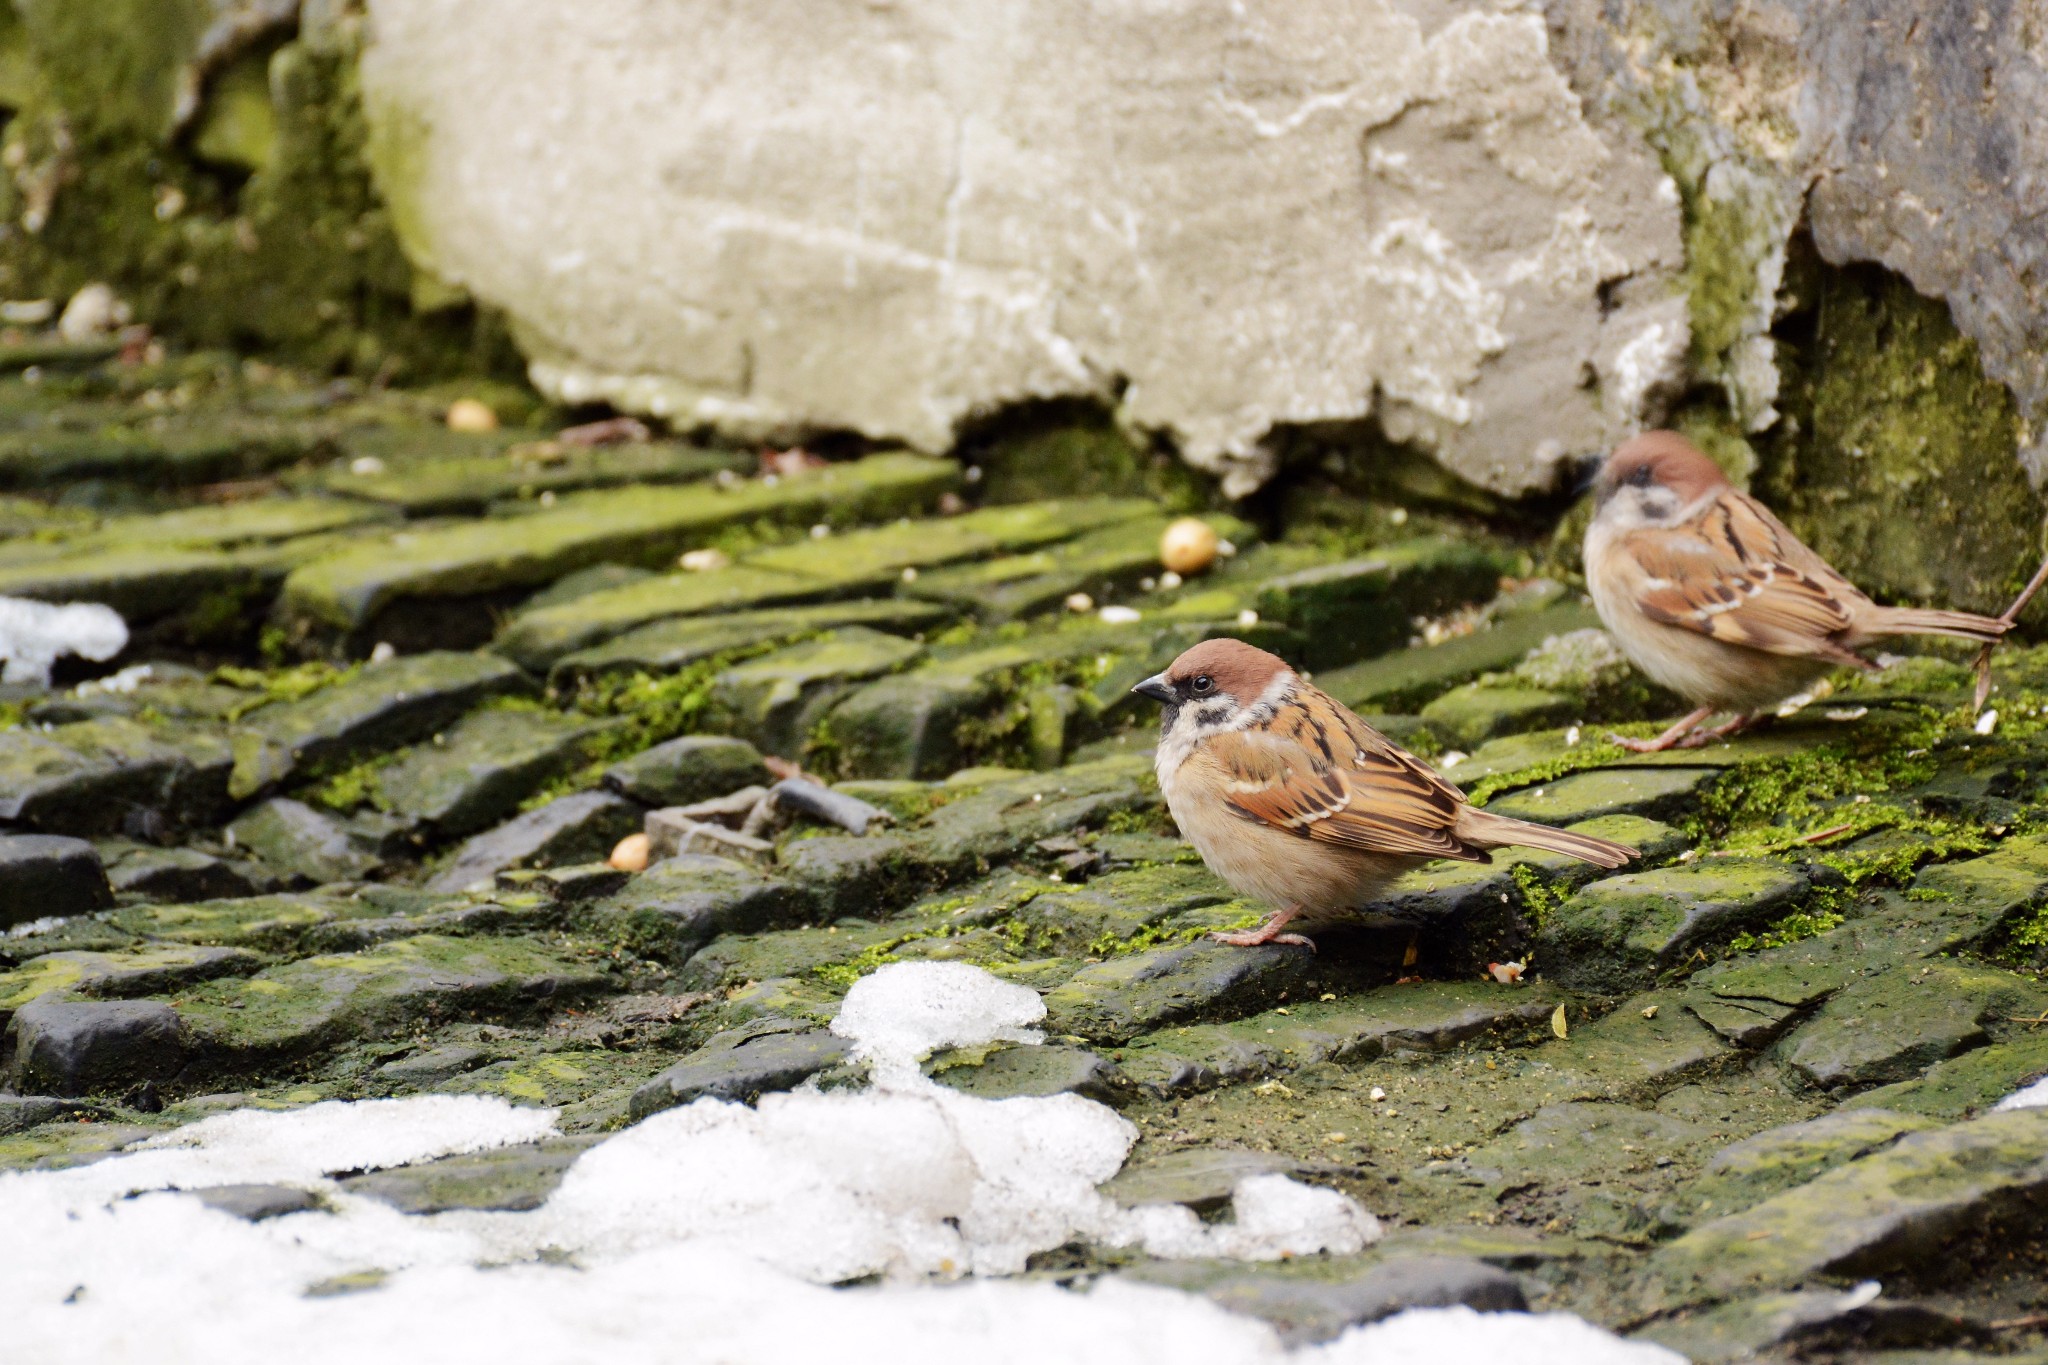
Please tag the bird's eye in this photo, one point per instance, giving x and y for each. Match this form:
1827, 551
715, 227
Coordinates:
1640, 476
1203, 685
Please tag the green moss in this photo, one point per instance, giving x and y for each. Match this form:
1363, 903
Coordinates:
262, 228
1898, 461
1801, 924
355, 785
1069, 449
281, 684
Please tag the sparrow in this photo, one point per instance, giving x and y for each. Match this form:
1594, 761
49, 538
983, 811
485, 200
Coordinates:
1292, 799
1715, 599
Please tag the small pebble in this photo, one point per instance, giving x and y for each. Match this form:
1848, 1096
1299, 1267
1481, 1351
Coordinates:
365, 465
1080, 602
704, 561
468, 414
1377, 1094
1169, 581
1247, 618
910, 574
1120, 616
384, 652
1189, 545
630, 854
1987, 722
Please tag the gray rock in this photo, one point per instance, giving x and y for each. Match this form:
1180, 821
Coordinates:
254, 1203
386, 705
18, 1113
508, 1179
1894, 1026
670, 835
1311, 1307
479, 769
571, 829
437, 1064
77, 1047
1814, 1320
810, 801
673, 908
112, 776
177, 875
744, 1068
1041, 1069
1202, 1178
293, 837
48, 875
693, 768
1353, 317
1618, 933
1114, 1001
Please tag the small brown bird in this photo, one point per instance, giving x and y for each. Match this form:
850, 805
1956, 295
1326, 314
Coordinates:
1710, 595
1291, 798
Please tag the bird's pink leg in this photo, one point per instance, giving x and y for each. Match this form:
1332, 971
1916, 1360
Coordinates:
1668, 739
1732, 727
1269, 932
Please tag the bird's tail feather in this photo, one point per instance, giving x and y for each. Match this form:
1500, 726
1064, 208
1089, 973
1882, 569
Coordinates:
1486, 828
1932, 621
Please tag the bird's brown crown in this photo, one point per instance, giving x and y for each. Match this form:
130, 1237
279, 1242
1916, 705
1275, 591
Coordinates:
1664, 458
1234, 666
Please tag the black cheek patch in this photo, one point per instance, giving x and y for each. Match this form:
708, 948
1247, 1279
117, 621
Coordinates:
1168, 714
1211, 715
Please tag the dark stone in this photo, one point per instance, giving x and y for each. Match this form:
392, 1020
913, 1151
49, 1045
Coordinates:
743, 1069
384, 706
292, 837
76, 1047
255, 1203
1115, 1001
676, 906
693, 768
1041, 1069
826, 806
1202, 1178
19, 1113
47, 875
1311, 1307
431, 1067
111, 776
177, 875
479, 769
509, 1179
572, 829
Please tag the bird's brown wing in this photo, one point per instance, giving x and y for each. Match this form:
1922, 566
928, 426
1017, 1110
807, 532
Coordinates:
1321, 773
1734, 572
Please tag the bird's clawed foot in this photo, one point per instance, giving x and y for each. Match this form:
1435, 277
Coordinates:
1687, 733
1269, 932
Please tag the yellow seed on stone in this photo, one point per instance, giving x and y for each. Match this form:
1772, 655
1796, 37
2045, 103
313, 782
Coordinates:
1188, 546
468, 414
630, 854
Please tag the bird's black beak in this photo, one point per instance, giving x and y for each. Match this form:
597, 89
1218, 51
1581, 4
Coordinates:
1586, 471
1156, 687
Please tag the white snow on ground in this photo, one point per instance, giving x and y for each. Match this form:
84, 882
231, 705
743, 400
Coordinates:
2033, 1096
707, 1233
34, 635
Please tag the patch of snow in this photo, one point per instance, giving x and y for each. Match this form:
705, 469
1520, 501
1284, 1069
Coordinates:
123, 683
2033, 1096
709, 1232
34, 635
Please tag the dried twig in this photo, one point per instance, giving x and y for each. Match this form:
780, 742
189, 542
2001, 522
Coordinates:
2011, 614
1821, 834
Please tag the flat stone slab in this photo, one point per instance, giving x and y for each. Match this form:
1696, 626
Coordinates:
345, 593
679, 904
151, 969
1619, 932
1114, 1001
1410, 677
666, 645
1903, 1206
289, 1010
1757, 1168
508, 1179
690, 769
580, 828
1039, 1069
1660, 792
381, 708
111, 776
1973, 1083
1200, 1178
257, 1203
479, 769
743, 1068
46, 875
470, 483
1359, 606
79, 1047
183, 874
778, 698
1309, 1304
1893, 1027
1426, 1017
296, 840
1979, 895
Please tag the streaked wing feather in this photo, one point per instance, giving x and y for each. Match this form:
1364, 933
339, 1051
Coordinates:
1736, 574
1337, 780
